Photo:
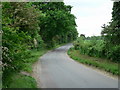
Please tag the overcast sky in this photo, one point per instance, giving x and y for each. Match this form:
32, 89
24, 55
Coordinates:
91, 15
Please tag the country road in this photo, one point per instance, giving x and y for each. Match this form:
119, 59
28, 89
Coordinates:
56, 69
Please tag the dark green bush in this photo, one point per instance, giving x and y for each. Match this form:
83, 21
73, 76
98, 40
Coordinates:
114, 53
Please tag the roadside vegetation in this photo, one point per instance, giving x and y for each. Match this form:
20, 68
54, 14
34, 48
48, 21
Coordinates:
15, 80
99, 63
30, 29
101, 51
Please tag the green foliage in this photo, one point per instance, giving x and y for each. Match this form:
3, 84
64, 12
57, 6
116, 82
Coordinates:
97, 47
35, 54
114, 53
111, 34
96, 62
20, 28
58, 24
14, 47
20, 81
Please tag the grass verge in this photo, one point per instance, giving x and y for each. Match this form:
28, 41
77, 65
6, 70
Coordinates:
35, 55
19, 80
96, 62
22, 81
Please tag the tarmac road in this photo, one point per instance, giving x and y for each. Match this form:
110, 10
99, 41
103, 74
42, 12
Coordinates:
56, 69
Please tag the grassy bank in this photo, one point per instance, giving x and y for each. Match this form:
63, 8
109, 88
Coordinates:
35, 55
21, 80
103, 64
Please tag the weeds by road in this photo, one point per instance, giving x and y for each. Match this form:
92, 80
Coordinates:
96, 62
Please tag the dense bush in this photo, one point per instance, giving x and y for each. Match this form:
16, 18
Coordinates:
114, 53
17, 36
14, 50
97, 48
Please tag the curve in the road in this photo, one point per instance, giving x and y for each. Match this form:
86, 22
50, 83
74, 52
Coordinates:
56, 70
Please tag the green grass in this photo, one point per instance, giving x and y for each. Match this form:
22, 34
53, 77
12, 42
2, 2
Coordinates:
18, 80
103, 64
22, 81
35, 55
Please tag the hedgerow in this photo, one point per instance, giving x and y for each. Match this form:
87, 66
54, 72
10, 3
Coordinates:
97, 48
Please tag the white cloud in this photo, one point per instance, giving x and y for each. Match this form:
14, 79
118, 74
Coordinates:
91, 15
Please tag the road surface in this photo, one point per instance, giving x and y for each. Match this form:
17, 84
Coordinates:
56, 69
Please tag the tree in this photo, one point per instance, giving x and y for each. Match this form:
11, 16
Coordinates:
20, 27
111, 32
58, 21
